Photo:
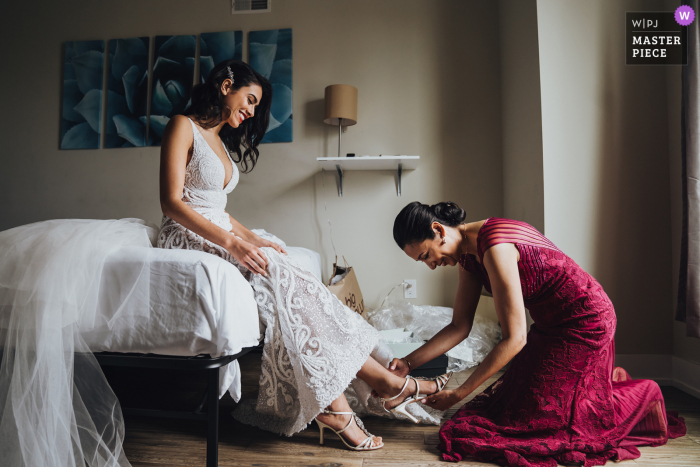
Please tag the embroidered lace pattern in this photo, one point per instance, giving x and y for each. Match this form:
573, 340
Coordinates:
561, 400
314, 345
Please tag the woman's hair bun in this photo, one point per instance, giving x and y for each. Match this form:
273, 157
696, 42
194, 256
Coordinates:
448, 213
414, 222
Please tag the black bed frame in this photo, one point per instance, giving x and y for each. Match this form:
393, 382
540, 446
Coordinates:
210, 398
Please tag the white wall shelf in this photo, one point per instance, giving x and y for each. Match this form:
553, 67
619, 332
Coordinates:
341, 164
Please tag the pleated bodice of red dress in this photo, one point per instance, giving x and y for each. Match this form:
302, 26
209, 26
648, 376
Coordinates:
561, 399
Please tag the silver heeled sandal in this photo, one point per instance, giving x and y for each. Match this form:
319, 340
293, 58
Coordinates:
441, 382
365, 445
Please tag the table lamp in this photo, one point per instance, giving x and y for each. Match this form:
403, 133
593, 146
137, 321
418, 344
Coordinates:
341, 107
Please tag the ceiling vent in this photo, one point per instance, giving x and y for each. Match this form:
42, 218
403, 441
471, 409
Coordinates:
250, 6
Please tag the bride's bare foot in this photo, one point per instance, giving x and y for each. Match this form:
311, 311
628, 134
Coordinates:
354, 434
424, 387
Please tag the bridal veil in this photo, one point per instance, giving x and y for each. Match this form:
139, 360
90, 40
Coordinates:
56, 408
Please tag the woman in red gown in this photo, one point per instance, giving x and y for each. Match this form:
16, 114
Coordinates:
561, 400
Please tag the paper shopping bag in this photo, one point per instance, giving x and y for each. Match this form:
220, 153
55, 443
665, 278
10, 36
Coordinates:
344, 285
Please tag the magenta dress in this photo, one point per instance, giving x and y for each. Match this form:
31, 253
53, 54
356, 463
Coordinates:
561, 400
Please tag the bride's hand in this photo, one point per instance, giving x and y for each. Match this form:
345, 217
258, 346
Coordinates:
249, 256
266, 243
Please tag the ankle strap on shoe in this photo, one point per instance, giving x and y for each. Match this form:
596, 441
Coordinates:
408, 378
330, 412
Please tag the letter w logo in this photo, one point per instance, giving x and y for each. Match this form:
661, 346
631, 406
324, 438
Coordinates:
685, 15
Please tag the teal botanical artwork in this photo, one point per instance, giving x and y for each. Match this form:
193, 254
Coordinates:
82, 94
173, 74
127, 92
271, 56
216, 47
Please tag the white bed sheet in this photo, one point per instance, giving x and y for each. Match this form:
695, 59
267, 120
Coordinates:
199, 304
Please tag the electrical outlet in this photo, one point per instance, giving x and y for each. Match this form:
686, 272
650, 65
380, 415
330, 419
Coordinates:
409, 288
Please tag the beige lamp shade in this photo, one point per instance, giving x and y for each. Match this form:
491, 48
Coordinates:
341, 105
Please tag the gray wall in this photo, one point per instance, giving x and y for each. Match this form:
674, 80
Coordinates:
683, 347
521, 113
428, 80
606, 172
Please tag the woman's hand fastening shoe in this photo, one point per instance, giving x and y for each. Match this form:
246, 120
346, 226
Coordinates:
442, 400
400, 367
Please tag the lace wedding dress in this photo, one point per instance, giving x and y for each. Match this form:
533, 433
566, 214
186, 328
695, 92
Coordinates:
314, 345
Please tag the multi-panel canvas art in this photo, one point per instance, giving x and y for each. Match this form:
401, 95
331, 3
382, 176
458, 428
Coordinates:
128, 121
127, 92
82, 94
215, 47
271, 56
173, 74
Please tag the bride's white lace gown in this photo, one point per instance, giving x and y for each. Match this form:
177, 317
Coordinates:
314, 345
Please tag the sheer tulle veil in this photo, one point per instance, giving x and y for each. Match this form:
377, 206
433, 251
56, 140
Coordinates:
56, 408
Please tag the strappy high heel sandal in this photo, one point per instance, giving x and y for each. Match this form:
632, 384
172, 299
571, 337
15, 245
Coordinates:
365, 445
441, 382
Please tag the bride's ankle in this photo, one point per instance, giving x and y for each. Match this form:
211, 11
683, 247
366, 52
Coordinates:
427, 386
394, 387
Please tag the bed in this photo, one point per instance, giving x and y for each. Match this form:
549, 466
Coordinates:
202, 315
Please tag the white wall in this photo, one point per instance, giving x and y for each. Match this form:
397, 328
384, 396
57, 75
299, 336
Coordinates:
605, 153
428, 80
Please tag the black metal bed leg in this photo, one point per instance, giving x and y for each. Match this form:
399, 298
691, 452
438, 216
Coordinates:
213, 417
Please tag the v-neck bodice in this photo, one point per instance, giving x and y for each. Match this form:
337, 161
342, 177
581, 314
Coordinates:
205, 176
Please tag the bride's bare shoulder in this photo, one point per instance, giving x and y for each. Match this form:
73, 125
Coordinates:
179, 128
179, 122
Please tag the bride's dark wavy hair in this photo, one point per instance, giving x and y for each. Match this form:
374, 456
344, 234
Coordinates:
208, 107
414, 222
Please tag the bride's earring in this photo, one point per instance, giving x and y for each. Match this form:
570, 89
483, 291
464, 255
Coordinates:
444, 240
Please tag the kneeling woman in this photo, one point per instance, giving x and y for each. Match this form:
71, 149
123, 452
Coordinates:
561, 400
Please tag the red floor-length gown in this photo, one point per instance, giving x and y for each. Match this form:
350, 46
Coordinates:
561, 400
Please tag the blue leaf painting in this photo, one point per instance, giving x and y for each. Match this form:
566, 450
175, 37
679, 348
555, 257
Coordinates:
71, 98
206, 64
116, 105
216, 47
82, 94
282, 73
81, 136
129, 129
271, 56
90, 107
158, 124
88, 70
127, 92
173, 74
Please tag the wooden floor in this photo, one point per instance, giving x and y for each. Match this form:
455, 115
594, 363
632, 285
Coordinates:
156, 442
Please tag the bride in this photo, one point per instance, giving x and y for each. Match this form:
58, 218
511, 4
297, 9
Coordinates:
315, 347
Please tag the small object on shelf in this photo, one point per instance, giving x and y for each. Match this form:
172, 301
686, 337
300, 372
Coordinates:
350, 154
